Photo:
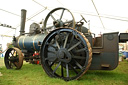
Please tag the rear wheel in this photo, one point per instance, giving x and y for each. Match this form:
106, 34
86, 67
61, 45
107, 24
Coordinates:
66, 54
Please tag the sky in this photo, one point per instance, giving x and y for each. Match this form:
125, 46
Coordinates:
113, 14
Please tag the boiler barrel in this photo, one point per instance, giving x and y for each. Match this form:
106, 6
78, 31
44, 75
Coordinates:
30, 43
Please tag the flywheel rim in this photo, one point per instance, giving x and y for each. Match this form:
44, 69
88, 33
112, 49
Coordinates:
68, 65
47, 30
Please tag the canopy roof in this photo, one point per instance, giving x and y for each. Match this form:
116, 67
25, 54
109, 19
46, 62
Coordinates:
104, 15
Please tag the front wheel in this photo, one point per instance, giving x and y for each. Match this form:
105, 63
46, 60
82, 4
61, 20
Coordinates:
13, 58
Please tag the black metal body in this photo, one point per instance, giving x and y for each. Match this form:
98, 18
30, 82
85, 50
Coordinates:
105, 51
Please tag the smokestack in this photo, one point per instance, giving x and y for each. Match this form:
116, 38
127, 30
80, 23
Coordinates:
23, 18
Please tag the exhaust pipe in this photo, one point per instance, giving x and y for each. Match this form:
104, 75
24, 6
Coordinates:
23, 18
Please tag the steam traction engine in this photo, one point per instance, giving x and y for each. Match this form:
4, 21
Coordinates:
67, 49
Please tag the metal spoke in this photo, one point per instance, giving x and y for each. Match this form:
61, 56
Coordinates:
11, 64
62, 72
57, 44
52, 17
74, 46
56, 67
51, 45
67, 70
62, 14
52, 62
16, 54
11, 53
69, 23
15, 64
79, 57
66, 39
80, 50
73, 68
60, 38
71, 40
78, 64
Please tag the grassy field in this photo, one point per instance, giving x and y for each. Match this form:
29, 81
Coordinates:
1, 62
34, 75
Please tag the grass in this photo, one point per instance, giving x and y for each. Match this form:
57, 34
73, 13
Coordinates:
1, 62
31, 74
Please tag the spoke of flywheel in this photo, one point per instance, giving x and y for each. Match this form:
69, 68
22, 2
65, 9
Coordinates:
67, 70
62, 14
74, 46
56, 67
73, 68
52, 17
70, 23
66, 39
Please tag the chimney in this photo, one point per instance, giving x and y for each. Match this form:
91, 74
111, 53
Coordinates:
23, 18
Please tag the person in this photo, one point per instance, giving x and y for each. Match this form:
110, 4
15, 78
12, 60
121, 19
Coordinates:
1, 56
121, 47
0, 53
127, 59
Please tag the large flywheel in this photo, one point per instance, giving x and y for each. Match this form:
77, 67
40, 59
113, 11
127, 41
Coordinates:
66, 54
13, 58
58, 17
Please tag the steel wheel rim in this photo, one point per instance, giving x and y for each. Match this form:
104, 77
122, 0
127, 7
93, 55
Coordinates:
72, 71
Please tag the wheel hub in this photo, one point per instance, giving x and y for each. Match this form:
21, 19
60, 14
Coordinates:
63, 55
58, 23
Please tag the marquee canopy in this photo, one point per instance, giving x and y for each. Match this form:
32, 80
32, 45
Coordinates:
104, 15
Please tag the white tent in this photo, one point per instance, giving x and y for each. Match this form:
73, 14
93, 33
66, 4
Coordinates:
104, 15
